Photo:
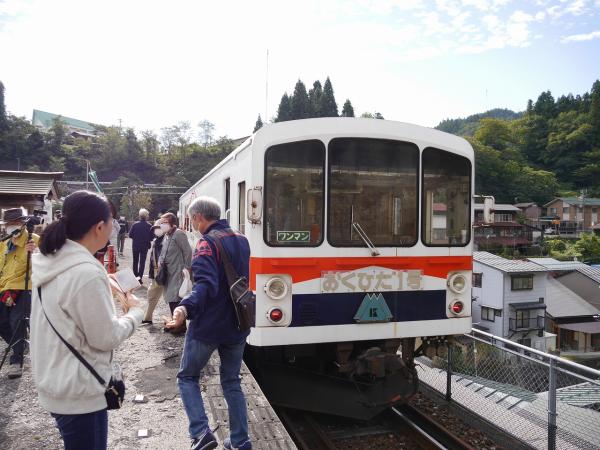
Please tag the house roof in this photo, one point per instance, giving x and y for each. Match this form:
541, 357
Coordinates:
525, 205
507, 265
562, 302
528, 305
584, 327
27, 183
45, 120
498, 207
576, 201
555, 264
590, 272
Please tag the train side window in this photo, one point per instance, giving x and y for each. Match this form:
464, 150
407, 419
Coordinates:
446, 199
242, 207
294, 194
373, 183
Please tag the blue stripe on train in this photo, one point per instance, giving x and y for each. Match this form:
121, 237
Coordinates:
339, 309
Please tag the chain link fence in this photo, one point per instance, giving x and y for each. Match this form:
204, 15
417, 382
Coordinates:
544, 401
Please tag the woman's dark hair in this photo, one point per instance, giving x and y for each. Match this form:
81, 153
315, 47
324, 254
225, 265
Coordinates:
113, 209
172, 218
80, 212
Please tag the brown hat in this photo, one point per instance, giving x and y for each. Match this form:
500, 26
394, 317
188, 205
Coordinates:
13, 215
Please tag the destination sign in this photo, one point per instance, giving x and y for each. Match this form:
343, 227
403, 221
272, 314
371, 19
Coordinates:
371, 280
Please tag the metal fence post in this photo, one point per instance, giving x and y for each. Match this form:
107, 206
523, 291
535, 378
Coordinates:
449, 374
552, 407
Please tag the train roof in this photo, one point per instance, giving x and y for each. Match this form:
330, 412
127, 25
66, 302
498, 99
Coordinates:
274, 133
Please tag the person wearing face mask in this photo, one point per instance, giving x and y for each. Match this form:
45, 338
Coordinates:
72, 298
15, 297
176, 255
155, 290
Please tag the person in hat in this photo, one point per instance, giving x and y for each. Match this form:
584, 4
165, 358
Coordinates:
15, 296
155, 290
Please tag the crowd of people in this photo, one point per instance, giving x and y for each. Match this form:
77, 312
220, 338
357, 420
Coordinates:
55, 286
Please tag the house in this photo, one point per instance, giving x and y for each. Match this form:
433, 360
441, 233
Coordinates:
505, 231
575, 319
509, 300
75, 127
29, 190
531, 211
571, 216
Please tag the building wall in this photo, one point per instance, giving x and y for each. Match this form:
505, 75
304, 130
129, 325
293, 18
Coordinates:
533, 295
490, 294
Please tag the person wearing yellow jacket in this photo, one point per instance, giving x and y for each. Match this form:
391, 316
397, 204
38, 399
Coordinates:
15, 297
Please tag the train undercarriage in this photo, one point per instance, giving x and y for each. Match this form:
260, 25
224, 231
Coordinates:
352, 379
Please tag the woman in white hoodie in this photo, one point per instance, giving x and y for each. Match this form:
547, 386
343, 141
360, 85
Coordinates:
76, 299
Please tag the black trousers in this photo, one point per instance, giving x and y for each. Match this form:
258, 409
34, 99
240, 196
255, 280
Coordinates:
120, 242
13, 324
139, 262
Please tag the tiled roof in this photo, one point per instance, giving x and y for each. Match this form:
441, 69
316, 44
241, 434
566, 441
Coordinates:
555, 264
507, 265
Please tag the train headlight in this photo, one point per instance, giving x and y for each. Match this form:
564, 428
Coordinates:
275, 315
276, 288
457, 283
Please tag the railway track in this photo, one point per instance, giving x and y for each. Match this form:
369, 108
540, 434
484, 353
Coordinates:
403, 427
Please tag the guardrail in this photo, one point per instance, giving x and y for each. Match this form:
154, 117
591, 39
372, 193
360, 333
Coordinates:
543, 400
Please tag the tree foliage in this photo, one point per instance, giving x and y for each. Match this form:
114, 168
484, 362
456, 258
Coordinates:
319, 101
347, 110
258, 125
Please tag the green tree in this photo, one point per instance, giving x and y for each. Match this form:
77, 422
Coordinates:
595, 113
328, 105
315, 95
300, 106
367, 115
588, 246
3, 120
284, 112
545, 106
258, 125
378, 116
347, 110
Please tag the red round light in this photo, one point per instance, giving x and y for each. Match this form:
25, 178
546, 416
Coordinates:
457, 307
275, 315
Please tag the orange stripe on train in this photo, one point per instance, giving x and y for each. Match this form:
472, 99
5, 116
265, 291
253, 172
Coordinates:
304, 269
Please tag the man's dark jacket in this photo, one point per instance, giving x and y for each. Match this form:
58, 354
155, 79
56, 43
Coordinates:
141, 234
209, 306
124, 226
155, 255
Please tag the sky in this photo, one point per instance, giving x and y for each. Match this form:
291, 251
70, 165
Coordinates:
151, 64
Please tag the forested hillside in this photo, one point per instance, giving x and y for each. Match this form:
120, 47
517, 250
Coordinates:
553, 148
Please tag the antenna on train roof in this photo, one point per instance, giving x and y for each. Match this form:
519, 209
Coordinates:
267, 90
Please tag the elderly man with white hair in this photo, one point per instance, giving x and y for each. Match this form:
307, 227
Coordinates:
141, 236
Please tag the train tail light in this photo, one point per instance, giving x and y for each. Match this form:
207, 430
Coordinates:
457, 307
275, 315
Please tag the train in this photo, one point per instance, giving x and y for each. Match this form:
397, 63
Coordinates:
361, 239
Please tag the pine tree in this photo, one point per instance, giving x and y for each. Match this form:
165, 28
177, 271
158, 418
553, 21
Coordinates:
284, 112
328, 105
595, 112
258, 124
300, 105
314, 99
378, 116
347, 110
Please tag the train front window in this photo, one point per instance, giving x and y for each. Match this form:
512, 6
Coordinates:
446, 199
372, 184
294, 185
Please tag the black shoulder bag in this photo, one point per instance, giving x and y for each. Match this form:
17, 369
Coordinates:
115, 391
244, 300
163, 272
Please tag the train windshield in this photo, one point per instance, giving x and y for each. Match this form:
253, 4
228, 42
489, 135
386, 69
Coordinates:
294, 187
446, 199
372, 186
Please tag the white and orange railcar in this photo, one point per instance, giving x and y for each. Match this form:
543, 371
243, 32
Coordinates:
360, 231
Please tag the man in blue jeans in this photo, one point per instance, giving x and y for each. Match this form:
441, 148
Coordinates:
213, 326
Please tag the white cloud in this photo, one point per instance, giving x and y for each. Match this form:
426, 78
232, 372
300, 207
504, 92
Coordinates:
540, 16
520, 16
482, 5
576, 7
581, 37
